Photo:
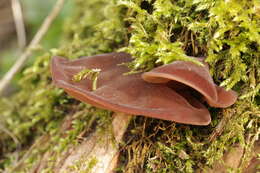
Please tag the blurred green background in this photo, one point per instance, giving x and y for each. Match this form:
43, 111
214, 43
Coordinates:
34, 13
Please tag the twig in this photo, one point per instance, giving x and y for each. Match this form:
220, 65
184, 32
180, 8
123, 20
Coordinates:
19, 23
35, 41
40, 141
15, 139
219, 128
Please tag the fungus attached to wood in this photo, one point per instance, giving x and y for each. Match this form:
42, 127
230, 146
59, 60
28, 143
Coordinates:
164, 93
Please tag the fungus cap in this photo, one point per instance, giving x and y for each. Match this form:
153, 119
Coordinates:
130, 93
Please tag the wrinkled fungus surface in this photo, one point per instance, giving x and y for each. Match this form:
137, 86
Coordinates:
167, 92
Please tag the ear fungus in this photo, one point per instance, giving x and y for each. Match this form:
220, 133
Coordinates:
194, 76
150, 96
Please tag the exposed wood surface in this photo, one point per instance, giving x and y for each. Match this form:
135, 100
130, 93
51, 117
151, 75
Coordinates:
98, 153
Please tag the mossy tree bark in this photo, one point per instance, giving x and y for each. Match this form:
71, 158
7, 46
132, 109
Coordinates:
53, 128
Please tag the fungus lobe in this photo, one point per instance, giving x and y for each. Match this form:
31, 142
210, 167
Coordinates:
162, 93
194, 76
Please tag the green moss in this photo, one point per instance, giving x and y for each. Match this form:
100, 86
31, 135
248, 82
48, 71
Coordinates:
91, 164
90, 74
155, 32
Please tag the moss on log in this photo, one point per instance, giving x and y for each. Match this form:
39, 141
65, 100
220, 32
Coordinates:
46, 125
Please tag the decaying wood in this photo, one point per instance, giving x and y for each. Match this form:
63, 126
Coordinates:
98, 153
232, 160
96, 147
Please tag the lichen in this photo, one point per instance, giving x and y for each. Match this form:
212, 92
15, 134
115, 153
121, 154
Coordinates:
155, 32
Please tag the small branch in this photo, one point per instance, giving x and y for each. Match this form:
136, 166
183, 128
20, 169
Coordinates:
40, 141
19, 23
219, 128
35, 41
14, 138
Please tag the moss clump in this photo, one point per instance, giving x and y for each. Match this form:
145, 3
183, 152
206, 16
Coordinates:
155, 32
